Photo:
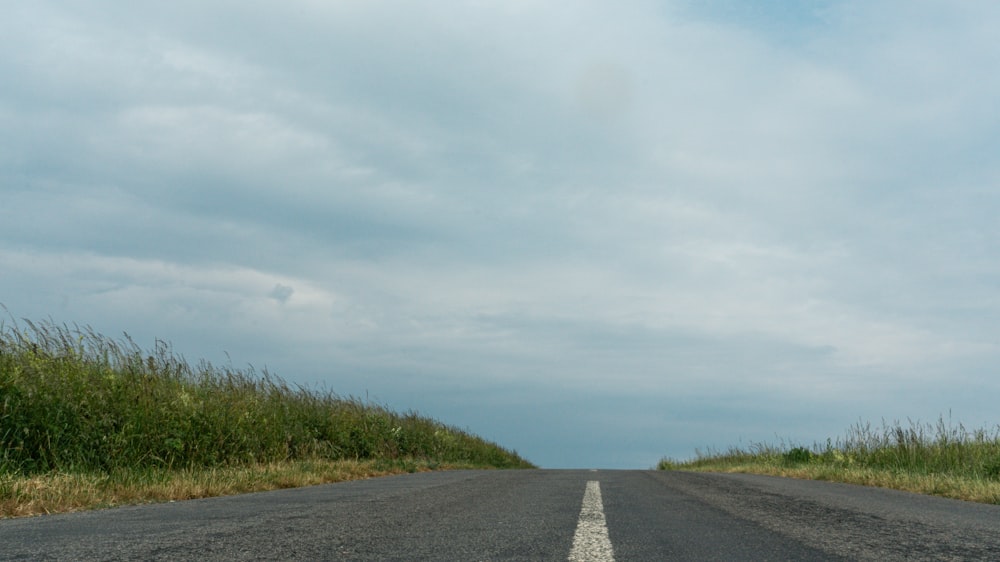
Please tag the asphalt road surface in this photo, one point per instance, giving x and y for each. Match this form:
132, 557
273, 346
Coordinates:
527, 515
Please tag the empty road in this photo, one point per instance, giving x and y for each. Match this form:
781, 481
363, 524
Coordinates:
528, 515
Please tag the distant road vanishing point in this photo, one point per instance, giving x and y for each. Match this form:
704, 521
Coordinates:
528, 515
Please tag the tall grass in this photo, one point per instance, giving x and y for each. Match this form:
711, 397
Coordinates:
940, 458
73, 401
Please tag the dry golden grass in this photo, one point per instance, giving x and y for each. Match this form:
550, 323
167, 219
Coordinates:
60, 493
953, 486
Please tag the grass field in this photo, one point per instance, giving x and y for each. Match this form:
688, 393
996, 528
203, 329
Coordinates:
940, 459
86, 420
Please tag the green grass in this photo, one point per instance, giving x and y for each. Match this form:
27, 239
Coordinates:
73, 402
941, 459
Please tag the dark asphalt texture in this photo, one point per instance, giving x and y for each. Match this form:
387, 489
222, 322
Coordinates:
525, 515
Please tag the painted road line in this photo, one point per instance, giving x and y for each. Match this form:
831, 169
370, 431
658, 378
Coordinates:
591, 542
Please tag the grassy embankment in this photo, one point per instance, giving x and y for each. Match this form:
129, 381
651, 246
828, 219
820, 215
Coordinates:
87, 421
938, 459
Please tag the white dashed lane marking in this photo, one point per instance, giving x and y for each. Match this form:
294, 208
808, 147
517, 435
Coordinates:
591, 542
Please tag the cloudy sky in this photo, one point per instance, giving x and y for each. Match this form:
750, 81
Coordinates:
597, 232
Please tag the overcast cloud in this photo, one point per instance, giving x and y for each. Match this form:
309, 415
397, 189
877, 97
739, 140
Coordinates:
596, 232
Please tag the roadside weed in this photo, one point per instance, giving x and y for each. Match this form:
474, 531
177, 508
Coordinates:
75, 403
941, 459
